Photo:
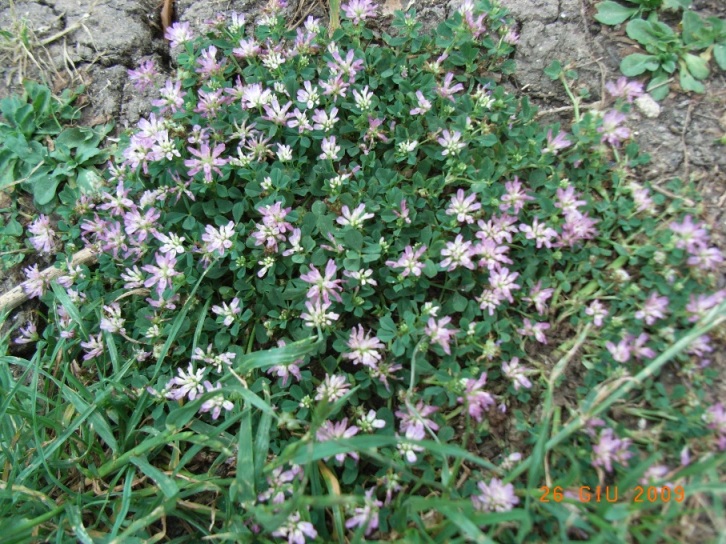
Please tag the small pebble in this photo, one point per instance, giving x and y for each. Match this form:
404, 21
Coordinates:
647, 106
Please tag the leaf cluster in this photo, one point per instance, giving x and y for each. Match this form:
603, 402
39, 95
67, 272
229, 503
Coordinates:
41, 150
668, 50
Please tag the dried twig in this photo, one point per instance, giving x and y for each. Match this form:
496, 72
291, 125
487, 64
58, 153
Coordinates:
16, 296
167, 14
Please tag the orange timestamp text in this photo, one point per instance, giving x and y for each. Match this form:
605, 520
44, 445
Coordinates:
611, 493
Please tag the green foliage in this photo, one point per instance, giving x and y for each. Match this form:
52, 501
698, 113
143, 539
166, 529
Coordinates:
348, 290
40, 151
668, 50
614, 13
11, 237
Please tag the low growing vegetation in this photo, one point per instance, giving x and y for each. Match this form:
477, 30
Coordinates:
349, 289
687, 50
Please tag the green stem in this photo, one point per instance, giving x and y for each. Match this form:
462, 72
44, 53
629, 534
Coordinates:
575, 101
142, 448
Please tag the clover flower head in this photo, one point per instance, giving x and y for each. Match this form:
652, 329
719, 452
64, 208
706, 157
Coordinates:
496, 496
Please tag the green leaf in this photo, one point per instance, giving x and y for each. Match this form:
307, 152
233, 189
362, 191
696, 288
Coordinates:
719, 53
44, 189
692, 25
73, 137
278, 356
658, 87
675, 5
98, 423
637, 63
245, 479
612, 13
353, 239
645, 32
181, 415
88, 180
696, 66
166, 484
554, 70
689, 83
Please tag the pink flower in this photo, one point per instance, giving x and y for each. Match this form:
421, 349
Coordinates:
619, 351
516, 373
555, 144
35, 283
364, 348
172, 97
514, 196
143, 77
638, 347
495, 496
218, 240
492, 254
366, 515
502, 283
422, 106
477, 401
323, 287
162, 274
317, 314
699, 305
534, 329
354, 218
439, 334
457, 253
489, 300
612, 130
337, 431
43, 239
93, 348
207, 161
186, 384
333, 388
597, 310
358, 11
463, 206
417, 418
228, 312
622, 88
715, 418
539, 232
216, 403
539, 297
689, 235
447, 90
409, 261
295, 530
178, 33
451, 142
610, 449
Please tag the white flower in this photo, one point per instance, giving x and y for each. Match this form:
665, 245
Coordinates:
363, 99
370, 421
355, 218
407, 146
172, 243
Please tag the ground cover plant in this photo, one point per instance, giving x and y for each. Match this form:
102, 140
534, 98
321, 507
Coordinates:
687, 50
349, 289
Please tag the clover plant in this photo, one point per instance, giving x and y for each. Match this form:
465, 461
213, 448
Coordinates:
348, 288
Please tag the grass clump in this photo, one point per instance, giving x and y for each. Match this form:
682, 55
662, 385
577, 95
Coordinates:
349, 289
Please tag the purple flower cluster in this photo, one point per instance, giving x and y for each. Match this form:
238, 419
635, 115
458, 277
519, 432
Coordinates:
695, 240
610, 449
